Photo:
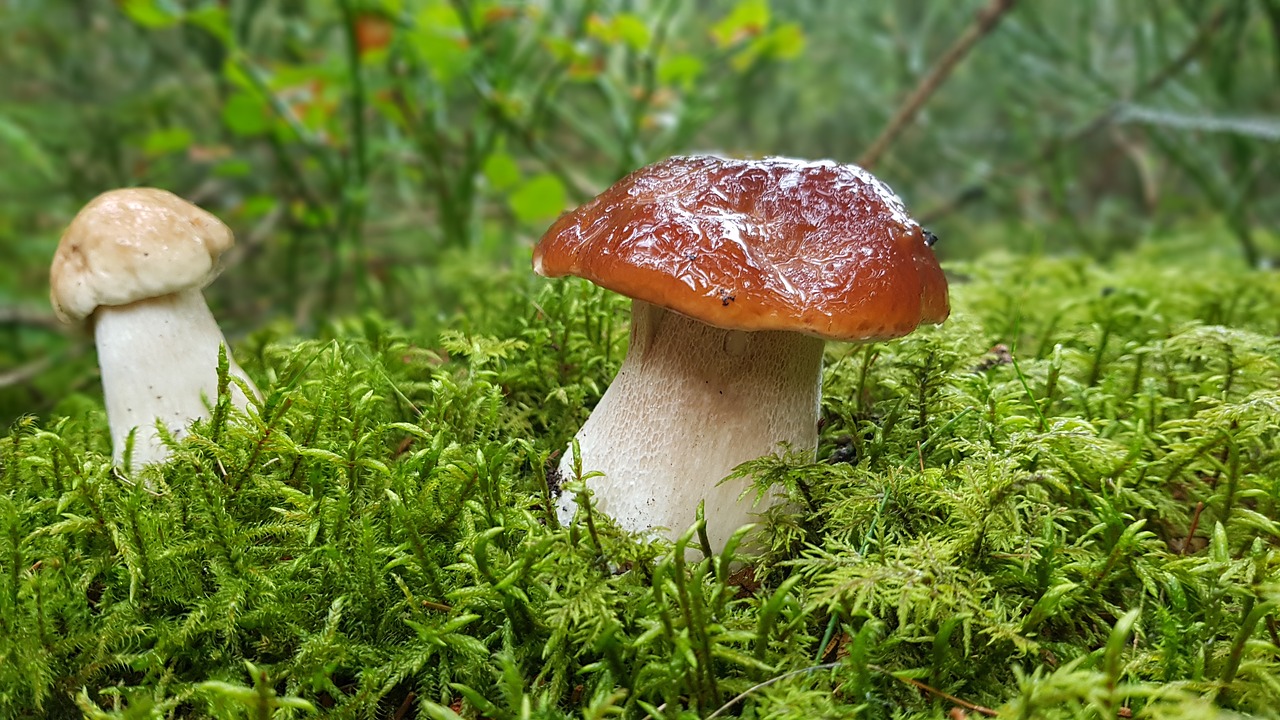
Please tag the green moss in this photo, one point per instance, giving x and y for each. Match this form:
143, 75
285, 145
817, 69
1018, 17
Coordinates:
1084, 524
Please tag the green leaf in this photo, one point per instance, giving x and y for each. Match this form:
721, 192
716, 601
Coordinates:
1218, 547
769, 614
632, 30
245, 115
152, 14
256, 206
625, 27
438, 39
327, 455
540, 198
741, 659
786, 42
481, 703
16, 137
167, 140
233, 167
1047, 605
439, 712
501, 171
213, 19
783, 43
235, 73
240, 694
747, 19
682, 70
1116, 643
409, 428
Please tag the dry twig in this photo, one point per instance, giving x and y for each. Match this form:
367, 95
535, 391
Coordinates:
24, 373
1191, 531
1207, 29
982, 24
31, 318
938, 693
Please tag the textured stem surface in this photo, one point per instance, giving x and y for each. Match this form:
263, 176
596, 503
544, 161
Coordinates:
159, 361
690, 403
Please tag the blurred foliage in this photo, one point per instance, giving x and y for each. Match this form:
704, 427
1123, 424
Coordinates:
350, 143
1097, 121
352, 137
348, 139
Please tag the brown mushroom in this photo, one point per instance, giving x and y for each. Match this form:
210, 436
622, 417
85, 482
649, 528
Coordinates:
739, 270
135, 261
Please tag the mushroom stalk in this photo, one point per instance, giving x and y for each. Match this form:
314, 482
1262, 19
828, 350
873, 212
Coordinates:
159, 360
689, 404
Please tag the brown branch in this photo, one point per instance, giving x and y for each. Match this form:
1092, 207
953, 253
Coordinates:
31, 318
982, 24
406, 705
1191, 531
938, 693
1171, 69
24, 373
1206, 30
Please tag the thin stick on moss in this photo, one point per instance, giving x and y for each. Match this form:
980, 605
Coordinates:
1191, 531
760, 686
405, 706
938, 693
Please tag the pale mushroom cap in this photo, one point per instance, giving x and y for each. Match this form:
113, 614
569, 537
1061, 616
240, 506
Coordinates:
133, 244
774, 244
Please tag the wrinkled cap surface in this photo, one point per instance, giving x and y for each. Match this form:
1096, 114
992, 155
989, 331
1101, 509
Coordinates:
774, 244
133, 244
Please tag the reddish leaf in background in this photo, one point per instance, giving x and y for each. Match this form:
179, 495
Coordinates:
499, 14
373, 32
745, 32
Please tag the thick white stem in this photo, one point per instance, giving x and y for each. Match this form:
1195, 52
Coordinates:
159, 361
690, 403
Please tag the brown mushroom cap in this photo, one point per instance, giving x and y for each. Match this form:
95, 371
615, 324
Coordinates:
133, 244
774, 244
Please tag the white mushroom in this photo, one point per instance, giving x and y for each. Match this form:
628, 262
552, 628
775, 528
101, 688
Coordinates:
738, 270
135, 262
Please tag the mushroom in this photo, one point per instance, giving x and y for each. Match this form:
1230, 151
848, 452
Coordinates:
135, 261
738, 271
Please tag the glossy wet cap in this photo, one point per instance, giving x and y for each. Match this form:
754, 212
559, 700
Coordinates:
133, 244
774, 244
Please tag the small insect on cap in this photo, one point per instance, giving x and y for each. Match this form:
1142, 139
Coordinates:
774, 244
133, 244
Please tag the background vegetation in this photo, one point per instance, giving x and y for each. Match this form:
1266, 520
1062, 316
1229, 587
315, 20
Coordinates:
1088, 531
